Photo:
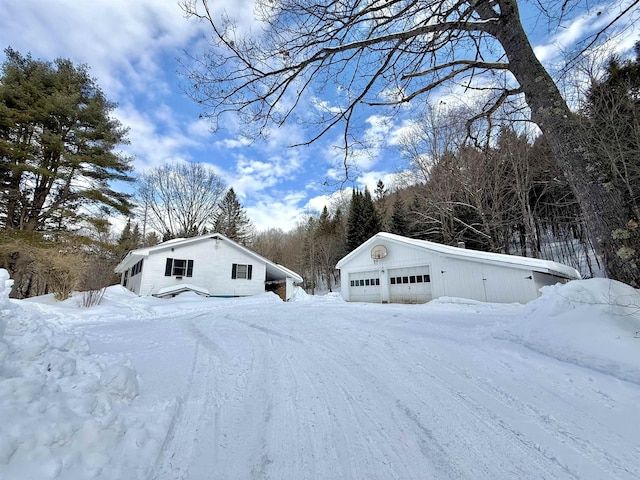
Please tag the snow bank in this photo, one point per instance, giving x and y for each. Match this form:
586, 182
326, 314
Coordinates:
299, 295
592, 323
66, 413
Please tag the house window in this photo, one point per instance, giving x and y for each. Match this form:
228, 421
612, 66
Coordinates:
241, 271
178, 267
136, 269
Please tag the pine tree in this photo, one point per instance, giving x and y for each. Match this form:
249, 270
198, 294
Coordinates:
371, 217
354, 222
399, 221
363, 221
232, 220
57, 146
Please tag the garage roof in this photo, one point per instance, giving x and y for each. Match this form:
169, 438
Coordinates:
535, 264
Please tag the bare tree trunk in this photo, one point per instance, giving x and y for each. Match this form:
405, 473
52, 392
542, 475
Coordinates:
612, 230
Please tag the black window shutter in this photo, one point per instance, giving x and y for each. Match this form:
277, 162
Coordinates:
167, 268
249, 267
189, 268
233, 270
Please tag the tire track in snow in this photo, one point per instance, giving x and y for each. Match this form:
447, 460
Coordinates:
180, 445
552, 439
289, 404
352, 425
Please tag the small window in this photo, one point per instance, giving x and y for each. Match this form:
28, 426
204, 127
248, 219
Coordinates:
412, 279
418, 278
241, 271
352, 283
377, 281
405, 279
393, 280
362, 283
177, 267
427, 278
366, 282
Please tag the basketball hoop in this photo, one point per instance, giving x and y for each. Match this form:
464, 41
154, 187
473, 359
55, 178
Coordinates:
378, 253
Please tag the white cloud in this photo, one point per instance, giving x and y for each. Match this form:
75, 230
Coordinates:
152, 141
274, 211
584, 26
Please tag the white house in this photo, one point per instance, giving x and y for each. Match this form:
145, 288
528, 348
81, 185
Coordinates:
210, 265
392, 268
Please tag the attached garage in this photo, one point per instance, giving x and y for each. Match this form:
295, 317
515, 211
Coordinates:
392, 268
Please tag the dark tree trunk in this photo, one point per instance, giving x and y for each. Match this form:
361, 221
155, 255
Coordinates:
612, 229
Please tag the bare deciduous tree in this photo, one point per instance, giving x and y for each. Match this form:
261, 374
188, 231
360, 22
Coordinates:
389, 53
181, 199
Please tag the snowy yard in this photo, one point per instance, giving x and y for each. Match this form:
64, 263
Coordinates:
197, 388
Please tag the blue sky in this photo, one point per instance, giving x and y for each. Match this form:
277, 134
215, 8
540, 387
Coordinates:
132, 49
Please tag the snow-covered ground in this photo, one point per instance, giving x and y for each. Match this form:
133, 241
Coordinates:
203, 388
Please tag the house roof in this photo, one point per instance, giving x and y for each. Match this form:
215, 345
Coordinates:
534, 264
274, 271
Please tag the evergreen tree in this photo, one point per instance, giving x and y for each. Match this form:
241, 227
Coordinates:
364, 220
130, 238
399, 221
232, 220
309, 256
354, 222
371, 218
381, 191
57, 145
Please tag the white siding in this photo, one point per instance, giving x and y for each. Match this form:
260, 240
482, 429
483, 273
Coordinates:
506, 285
487, 283
290, 288
212, 261
133, 283
465, 277
461, 278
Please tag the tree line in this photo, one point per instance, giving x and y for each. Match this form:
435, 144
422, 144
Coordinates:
59, 160
402, 53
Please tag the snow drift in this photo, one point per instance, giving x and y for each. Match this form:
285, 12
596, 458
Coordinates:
592, 323
65, 412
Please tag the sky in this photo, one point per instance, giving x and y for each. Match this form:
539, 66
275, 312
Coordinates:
317, 388
133, 50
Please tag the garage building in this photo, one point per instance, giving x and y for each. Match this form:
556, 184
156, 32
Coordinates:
396, 269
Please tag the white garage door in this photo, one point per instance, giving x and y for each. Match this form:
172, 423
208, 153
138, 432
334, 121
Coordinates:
364, 287
410, 285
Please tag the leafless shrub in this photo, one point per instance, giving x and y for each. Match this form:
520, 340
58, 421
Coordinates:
96, 280
62, 270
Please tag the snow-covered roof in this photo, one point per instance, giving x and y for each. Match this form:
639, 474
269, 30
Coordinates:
535, 264
273, 269
176, 289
